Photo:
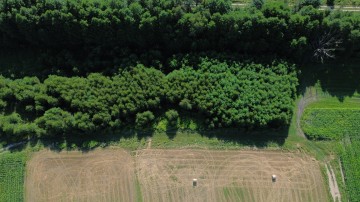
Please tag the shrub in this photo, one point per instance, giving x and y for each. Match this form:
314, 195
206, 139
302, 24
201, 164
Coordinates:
144, 119
14, 127
55, 121
172, 116
185, 103
90, 144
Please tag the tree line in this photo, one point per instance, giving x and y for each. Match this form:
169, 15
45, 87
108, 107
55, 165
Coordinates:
174, 26
225, 93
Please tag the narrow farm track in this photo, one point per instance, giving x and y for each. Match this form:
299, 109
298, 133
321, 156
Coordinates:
309, 96
334, 189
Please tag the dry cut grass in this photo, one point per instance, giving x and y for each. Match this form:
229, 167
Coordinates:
166, 175
102, 175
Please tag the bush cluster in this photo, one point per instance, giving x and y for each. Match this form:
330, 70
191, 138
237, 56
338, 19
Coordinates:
226, 93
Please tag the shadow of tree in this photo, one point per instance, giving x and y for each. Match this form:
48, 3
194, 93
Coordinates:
339, 79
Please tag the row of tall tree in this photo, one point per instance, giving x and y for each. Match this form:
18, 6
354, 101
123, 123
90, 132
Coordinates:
225, 93
173, 26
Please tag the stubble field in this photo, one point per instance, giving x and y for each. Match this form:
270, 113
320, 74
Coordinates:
166, 175
103, 175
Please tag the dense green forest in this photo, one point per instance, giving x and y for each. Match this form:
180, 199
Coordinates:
96, 31
226, 94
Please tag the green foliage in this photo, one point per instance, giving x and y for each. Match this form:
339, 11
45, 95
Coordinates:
12, 175
218, 6
172, 116
144, 119
258, 3
334, 120
237, 94
225, 93
55, 122
185, 103
313, 3
15, 128
322, 123
105, 29
351, 164
90, 144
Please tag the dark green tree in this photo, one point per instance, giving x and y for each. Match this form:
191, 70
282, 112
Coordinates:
144, 119
258, 3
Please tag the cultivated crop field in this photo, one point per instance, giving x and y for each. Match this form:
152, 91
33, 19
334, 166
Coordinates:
329, 118
12, 167
166, 175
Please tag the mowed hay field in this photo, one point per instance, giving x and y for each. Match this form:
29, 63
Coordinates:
102, 175
166, 175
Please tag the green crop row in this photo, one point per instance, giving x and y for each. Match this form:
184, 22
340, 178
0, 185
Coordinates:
12, 169
331, 123
351, 165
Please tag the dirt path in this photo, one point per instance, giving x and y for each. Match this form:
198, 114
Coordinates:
334, 189
149, 143
309, 97
341, 171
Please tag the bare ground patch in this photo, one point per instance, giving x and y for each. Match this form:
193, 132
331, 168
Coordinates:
102, 175
166, 175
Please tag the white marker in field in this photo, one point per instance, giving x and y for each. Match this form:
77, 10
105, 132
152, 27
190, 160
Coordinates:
194, 182
273, 177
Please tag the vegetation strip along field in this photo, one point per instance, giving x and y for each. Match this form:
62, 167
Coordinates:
12, 173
